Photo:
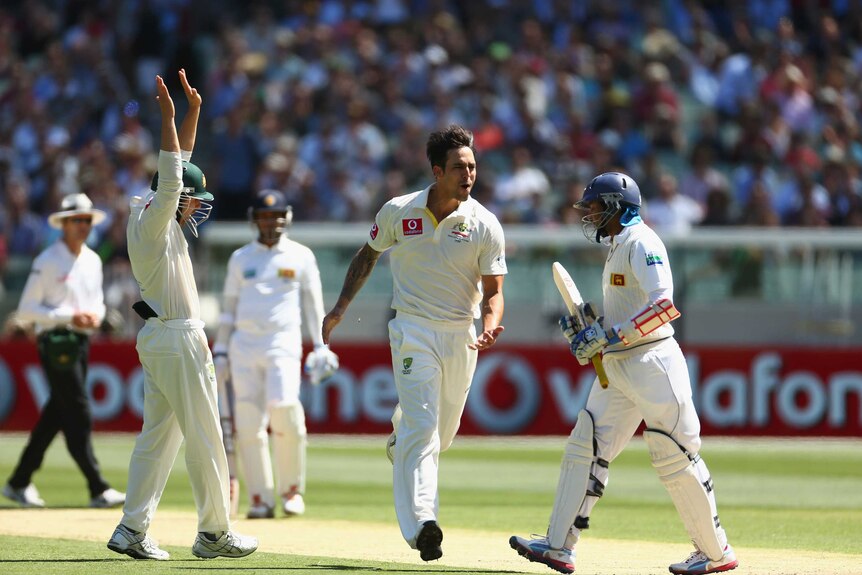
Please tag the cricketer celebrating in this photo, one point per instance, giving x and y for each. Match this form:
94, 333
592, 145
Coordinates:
448, 266
267, 282
179, 376
648, 382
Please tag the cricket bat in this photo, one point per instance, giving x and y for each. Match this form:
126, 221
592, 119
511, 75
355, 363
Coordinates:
226, 403
574, 301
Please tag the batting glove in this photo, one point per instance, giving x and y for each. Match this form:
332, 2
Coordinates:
570, 325
591, 341
320, 364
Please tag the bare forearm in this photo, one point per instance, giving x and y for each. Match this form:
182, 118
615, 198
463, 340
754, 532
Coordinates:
360, 268
189, 129
492, 311
169, 142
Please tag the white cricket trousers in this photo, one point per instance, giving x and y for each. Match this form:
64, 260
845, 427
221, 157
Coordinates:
180, 400
266, 375
653, 386
433, 369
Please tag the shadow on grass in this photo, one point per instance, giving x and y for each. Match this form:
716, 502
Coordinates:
204, 565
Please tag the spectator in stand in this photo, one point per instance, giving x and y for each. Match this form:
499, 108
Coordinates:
702, 175
25, 231
671, 212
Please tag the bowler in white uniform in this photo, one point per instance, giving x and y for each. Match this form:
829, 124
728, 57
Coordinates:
259, 347
448, 265
648, 382
179, 377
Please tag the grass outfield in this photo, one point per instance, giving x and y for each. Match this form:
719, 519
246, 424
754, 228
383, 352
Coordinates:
794, 495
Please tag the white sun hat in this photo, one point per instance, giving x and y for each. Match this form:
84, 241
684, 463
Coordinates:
75, 205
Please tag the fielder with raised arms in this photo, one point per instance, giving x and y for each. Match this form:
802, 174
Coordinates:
179, 377
268, 282
648, 382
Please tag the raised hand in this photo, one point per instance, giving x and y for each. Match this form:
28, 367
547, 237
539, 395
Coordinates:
166, 104
192, 95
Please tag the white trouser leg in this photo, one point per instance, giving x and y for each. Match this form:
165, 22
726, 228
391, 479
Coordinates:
433, 371
180, 366
251, 421
289, 442
155, 451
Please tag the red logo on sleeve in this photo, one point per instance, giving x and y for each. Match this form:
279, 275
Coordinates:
412, 226
374, 230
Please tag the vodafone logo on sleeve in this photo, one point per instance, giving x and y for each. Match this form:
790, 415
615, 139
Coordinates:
374, 230
412, 226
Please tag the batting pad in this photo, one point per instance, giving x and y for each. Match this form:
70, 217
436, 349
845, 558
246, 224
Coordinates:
289, 441
573, 481
687, 480
252, 446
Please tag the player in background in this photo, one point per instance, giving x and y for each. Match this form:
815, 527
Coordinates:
648, 382
179, 377
448, 265
63, 297
259, 347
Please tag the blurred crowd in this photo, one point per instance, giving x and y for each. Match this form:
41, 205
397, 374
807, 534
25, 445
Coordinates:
727, 113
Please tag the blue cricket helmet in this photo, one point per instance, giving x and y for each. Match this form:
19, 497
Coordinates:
618, 193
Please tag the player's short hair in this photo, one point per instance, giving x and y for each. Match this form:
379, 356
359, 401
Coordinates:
439, 143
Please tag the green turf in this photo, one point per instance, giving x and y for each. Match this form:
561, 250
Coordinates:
803, 495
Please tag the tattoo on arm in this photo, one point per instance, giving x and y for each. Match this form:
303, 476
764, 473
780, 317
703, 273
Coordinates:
360, 268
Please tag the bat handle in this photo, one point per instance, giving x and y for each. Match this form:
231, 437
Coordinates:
600, 371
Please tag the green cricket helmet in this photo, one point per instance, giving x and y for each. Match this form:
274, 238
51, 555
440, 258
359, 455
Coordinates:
194, 182
194, 186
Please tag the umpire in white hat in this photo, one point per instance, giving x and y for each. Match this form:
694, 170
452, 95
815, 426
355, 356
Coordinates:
63, 298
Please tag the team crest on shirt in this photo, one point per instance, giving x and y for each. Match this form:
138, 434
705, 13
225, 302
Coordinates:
654, 259
618, 280
411, 226
249, 273
407, 362
286, 273
460, 232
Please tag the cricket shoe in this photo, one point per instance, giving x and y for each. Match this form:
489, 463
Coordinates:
135, 545
293, 504
538, 549
107, 499
390, 447
230, 544
699, 564
428, 541
24, 496
260, 511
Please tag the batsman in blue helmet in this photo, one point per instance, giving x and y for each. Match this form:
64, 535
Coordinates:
649, 382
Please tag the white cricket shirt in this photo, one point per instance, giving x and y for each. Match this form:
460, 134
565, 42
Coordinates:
61, 284
158, 250
437, 267
271, 284
637, 272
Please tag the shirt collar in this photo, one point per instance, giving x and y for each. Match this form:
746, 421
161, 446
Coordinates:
464, 210
280, 245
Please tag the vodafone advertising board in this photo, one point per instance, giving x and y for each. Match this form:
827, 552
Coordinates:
529, 390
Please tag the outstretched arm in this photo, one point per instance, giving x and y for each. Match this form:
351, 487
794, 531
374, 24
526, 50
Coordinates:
189, 127
169, 141
360, 268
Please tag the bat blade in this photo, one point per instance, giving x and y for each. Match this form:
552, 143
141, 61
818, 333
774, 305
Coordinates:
574, 303
568, 290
